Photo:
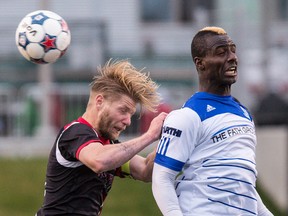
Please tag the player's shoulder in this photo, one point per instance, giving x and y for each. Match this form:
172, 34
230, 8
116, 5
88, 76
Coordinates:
182, 114
208, 105
78, 127
182, 118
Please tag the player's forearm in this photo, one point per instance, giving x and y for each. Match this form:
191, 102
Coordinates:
141, 168
132, 147
113, 156
149, 163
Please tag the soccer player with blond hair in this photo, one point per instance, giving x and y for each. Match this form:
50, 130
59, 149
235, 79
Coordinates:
87, 155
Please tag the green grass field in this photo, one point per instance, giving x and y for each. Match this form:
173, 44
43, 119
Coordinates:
22, 184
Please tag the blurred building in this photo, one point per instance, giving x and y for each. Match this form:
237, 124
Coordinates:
156, 34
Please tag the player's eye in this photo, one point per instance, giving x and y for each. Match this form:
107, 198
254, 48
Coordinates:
233, 49
123, 111
221, 51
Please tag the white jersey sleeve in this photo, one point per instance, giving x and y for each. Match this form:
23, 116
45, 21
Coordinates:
164, 192
262, 210
179, 135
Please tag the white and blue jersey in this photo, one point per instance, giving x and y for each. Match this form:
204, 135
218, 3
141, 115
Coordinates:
211, 142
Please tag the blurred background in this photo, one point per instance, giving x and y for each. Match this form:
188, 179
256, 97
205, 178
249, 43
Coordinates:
35, 101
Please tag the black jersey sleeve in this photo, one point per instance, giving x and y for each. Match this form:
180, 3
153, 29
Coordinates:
75, 137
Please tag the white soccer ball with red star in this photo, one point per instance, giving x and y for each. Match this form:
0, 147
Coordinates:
42, 37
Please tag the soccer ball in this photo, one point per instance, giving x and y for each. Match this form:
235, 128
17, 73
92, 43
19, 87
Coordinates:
42, 37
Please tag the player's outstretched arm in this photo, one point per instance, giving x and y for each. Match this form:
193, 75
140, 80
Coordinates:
101, 158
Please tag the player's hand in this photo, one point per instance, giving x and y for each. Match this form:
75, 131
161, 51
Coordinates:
155, 127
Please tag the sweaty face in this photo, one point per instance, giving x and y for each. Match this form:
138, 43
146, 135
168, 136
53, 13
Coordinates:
220, 62
116, 116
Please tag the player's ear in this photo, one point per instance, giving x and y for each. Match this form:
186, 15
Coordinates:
99, 100
199, 63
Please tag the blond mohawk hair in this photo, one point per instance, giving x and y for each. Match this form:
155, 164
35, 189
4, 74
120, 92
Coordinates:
215, 29
121, 77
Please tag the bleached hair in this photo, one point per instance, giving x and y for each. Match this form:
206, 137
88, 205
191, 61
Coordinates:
217, 30
120, 77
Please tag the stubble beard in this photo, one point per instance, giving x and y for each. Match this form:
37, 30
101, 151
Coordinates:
104, 124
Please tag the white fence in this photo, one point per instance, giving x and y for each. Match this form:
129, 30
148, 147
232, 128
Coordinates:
7, 110
20, 110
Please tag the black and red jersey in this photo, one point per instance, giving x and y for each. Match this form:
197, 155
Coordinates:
71, 188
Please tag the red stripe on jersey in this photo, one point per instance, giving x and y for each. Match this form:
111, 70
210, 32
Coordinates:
101, 139
68, 125
85, 144
83, 121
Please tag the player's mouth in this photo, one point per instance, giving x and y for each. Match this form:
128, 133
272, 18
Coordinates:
231, 71
118, 129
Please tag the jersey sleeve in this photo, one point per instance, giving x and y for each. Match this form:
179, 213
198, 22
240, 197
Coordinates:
179, 134
164, 191
74, 138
